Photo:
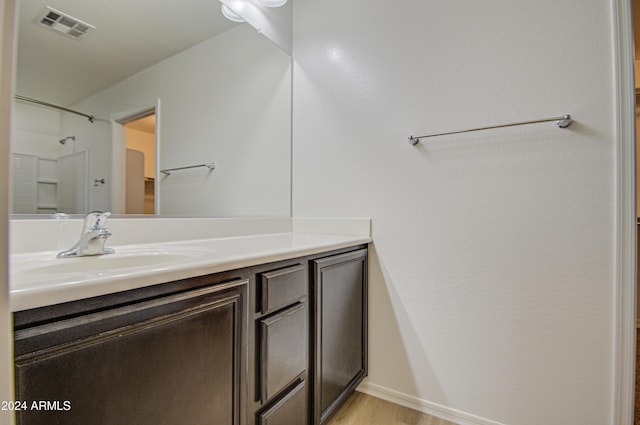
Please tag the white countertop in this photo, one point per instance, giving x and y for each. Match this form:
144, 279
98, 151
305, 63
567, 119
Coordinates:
39, 279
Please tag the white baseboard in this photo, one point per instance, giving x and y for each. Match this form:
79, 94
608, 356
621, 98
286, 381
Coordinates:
423, 406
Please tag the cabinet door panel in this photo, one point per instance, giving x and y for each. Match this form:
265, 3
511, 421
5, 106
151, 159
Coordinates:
340, 323
283, 349
341, 329
182, 366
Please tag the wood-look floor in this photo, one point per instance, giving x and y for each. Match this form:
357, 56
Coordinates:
637, 404
363, 409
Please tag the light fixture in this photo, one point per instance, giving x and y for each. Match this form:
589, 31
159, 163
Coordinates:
272, 3
230, 14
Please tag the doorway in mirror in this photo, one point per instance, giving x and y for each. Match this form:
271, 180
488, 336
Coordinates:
140, 165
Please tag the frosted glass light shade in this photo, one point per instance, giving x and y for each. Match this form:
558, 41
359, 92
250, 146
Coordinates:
272, 3
230, 14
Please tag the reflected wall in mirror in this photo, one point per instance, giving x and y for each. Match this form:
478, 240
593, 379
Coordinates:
220, 92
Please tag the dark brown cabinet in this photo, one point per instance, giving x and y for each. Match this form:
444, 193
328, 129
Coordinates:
290, 410
339, 322
282, 323
171, 360
283, 353
282, 287
274, 344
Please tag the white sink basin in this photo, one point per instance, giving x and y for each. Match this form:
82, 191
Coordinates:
38, 279
29, 267
110, 262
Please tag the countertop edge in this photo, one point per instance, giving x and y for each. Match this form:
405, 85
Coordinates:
29, 298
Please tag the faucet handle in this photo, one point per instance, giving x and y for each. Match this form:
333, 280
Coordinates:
95, 220
92, 238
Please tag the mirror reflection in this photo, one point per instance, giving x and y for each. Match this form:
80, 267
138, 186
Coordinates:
169, 86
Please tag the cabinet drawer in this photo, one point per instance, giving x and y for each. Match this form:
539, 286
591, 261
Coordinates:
290, 410
283, 349
279, 288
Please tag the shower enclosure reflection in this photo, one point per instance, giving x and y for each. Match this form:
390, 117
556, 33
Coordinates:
49, 174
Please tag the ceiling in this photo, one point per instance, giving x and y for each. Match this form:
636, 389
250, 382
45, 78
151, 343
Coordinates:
130, 36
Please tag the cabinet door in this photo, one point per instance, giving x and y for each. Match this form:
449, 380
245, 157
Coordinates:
339, 349
173, 360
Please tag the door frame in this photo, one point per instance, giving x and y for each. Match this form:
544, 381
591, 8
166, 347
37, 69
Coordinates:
8, 47
118, 160
624, 332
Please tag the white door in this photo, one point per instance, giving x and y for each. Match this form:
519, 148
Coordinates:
73, 183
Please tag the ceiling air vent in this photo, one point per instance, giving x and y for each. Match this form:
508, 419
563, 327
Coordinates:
64, 23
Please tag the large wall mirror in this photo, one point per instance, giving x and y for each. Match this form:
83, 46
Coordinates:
185, 112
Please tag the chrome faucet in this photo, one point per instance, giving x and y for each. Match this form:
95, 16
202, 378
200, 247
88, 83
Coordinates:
93, 237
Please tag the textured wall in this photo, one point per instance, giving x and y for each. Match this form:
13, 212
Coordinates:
492, 277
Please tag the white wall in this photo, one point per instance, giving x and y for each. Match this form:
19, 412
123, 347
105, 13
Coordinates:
492, 278
226, 100
36, 131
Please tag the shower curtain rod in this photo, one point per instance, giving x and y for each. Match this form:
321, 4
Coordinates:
91, 118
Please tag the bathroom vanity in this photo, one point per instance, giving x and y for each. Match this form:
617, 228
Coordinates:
266, 343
